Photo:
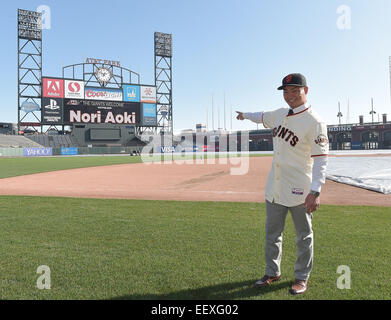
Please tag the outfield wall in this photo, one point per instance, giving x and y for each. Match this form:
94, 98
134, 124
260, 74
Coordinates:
115, 150
46, 152
11, 152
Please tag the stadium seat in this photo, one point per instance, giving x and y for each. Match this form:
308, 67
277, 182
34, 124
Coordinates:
16, 141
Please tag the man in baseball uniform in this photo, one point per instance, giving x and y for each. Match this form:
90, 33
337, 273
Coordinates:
298, 171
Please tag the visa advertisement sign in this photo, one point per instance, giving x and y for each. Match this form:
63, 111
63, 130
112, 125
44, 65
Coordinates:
166, 149
131, 93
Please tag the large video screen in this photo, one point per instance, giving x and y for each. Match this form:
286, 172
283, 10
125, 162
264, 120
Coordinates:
104, 112
69, 101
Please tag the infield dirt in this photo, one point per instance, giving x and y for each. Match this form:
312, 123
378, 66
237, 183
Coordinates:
173, 181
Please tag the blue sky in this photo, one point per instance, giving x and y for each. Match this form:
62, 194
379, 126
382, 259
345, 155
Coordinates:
238, 48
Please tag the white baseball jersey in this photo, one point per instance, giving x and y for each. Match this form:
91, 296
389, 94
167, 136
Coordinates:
297, 139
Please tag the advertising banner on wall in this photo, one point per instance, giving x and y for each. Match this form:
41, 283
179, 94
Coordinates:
53, 88
84, 111
37, 152
69, 151
51, 111
149, 114
105, 94
131, 93
68, 101
357, 146
148, 94
74, 89
166, 149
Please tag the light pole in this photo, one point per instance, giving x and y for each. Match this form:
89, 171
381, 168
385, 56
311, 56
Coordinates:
372, 112
339, 115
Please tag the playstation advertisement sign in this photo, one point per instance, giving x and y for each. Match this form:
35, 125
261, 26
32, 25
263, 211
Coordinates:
52, 111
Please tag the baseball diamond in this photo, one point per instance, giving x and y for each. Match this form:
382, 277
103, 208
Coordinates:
191, 182
92, 209
121, 178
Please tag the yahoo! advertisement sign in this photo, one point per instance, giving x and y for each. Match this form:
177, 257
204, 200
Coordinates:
37, 152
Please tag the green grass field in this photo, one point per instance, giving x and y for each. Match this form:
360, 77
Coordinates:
134, 249
10, 167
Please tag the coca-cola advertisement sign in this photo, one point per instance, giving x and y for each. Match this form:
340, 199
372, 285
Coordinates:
105, 94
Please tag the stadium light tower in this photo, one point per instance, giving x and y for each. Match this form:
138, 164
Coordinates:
225, 124
29, 68
339, 115
213, 119
348, 113
372, 112
163, 80
390, 72
231, 116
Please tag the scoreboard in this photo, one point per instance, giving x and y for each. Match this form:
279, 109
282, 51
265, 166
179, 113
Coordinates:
69, 101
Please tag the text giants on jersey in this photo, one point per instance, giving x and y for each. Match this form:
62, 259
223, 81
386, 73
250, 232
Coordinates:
282, 132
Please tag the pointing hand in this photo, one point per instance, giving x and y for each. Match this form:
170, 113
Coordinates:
240, 115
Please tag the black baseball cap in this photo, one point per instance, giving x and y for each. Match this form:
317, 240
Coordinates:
293, 79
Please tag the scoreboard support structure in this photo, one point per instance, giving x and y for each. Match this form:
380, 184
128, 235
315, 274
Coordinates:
163, 80
29, 68
41, 99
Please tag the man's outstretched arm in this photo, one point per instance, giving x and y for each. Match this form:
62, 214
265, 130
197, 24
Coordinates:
256, 117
